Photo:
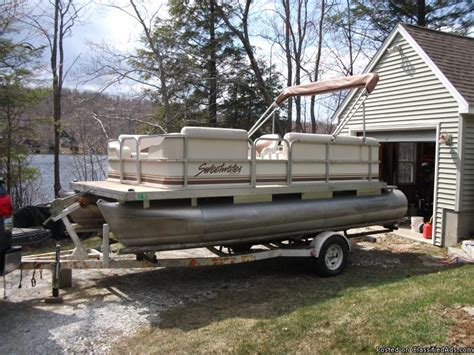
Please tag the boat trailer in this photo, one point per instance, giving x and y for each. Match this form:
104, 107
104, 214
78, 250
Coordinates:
61, 262
329, 249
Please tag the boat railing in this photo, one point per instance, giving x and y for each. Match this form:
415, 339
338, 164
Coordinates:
253, 160
328, 162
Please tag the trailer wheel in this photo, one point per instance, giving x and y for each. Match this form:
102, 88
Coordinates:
333, 256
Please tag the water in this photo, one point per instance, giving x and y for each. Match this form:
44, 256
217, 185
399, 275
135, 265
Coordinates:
71, 168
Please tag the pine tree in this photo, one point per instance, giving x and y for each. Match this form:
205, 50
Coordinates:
446, 15
209, 51
17, 60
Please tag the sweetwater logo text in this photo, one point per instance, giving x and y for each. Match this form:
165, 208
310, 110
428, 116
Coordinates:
205, 169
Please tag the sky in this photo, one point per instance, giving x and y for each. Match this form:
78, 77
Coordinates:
103, 23
99, 23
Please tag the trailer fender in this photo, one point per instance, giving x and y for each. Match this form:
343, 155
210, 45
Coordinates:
319, 240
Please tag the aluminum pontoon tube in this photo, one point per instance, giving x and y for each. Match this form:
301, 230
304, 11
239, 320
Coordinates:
135, 226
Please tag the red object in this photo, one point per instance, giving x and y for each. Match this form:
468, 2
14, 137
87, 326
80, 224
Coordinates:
5, 206
427, 231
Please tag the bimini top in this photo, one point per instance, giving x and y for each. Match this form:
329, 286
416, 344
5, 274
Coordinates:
369, 81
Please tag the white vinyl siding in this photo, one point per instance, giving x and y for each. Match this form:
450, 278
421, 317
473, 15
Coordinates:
408, 92
467, 190
409, 95
446, 191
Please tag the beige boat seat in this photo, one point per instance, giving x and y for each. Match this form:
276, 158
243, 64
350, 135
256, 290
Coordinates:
307, 137
216, 143
170, 146
313, 146
307, 145
267, 147
130, 146
361, 150
355, 140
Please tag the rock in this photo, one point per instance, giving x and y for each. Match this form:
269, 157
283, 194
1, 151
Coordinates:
469, 310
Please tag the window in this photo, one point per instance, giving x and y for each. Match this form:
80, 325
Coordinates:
406, 163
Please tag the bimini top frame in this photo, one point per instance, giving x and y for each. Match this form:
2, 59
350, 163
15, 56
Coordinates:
366, 81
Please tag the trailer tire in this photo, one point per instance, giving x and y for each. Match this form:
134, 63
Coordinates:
333, 257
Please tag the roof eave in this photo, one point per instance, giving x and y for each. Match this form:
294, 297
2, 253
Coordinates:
463, 104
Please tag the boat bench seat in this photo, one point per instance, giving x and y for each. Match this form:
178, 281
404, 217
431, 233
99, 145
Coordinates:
167, 147
203, 143
217, 156
313, 146
267, 147
216, 143
129, 148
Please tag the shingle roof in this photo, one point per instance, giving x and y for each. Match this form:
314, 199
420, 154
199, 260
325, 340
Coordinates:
452, 54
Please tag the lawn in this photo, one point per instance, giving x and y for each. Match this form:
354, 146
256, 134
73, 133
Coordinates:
285, 310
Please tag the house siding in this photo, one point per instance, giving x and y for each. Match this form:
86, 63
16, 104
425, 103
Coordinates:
410, 95
467, 185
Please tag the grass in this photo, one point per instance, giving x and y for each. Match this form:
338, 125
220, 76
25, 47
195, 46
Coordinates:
283, 311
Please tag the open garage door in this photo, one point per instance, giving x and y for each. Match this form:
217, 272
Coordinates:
408, 160
423, 135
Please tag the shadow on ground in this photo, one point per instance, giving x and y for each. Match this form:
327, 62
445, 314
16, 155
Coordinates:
24, 327
108, 305
207, 295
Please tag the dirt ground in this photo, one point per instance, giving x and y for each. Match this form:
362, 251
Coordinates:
104, 306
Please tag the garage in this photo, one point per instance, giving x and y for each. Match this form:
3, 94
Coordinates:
422, 113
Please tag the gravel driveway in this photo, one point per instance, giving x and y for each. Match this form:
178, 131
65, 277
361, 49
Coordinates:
101, 307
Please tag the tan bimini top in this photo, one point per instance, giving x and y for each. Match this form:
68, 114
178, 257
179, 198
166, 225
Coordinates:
369, 81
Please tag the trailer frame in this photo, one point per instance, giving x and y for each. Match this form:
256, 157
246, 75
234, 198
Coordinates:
104, 259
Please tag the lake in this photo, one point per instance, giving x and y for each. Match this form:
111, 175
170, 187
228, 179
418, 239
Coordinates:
72, 167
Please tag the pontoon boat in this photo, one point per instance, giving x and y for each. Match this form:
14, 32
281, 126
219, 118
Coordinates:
215, 186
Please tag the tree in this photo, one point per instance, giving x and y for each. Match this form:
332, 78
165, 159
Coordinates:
241, 30
446, 15
202, 61
203, 37
243, 102
351, 39
16, 100
55, 29
149, 67
294, 30
317, 62
236, 17
289, 60
298, 31
18, 59
153, 44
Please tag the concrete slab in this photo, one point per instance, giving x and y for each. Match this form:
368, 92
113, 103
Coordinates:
461, 255
414, 236
468, 247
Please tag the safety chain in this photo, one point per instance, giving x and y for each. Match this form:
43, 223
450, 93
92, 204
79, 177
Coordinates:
33, 278
21, 276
